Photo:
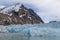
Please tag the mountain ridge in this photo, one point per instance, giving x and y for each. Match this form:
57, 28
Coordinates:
19, 14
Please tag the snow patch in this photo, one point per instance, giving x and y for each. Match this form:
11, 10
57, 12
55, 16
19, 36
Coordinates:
1, 7
29, 17
10, 14
9, 9
22, 15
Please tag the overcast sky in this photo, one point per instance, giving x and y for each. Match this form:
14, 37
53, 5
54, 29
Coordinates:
47, 9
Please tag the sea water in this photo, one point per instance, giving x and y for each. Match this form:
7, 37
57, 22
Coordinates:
47, 31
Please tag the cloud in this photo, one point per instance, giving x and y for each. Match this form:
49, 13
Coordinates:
47, 9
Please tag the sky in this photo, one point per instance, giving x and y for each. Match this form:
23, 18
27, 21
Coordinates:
48, 10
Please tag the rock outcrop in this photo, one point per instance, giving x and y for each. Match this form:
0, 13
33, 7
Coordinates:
53, 21
22, 16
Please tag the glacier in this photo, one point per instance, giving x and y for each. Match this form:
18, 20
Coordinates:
51, 29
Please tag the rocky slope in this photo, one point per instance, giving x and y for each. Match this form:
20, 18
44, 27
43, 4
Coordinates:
19, 14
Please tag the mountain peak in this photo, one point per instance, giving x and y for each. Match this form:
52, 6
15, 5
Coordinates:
19, 14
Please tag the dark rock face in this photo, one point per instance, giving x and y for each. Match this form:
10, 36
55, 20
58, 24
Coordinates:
52, 21
23, 16
4, 19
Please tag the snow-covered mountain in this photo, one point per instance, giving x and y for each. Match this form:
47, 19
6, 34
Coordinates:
19, 14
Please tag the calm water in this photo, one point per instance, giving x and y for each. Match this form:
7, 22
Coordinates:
17, 36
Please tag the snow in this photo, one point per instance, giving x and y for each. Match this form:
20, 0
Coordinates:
29, 17
17, 7
22, 15
1, 6
9, 9
9, 18
25, 10
10, 14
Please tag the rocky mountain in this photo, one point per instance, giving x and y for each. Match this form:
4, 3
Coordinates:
19, 14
